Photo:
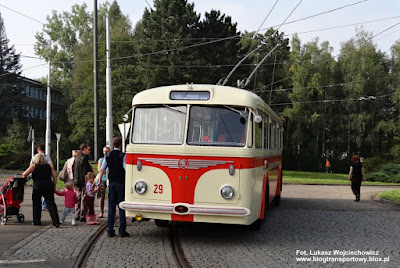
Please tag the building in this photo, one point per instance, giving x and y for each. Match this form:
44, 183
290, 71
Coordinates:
35, 100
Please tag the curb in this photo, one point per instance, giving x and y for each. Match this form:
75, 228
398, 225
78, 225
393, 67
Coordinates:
386, 201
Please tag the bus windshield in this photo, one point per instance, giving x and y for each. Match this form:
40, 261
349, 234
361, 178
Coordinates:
159, 125
217, 126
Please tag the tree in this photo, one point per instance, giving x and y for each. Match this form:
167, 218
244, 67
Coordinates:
66, 40
58, 42
309, 119
366, 82
389, 128
217, 58
165, 34
10, 87
272, 75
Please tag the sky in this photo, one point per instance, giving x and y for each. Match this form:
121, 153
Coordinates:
334, 21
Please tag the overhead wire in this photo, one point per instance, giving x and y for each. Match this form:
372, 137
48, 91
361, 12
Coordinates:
212, 41
361, 98
237, 36
321, 13
289, 77
26, 16
266, 17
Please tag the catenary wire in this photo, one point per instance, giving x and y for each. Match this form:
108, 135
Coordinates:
26, 16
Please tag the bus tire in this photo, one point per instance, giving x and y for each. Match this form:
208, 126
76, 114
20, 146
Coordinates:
277, 199
255, 226
161, 223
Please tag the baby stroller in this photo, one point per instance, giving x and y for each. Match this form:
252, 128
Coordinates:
12, 195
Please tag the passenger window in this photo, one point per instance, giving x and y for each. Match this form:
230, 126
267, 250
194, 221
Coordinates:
265, 121
258, 135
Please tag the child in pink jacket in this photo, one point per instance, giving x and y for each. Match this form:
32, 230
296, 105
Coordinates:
70, 200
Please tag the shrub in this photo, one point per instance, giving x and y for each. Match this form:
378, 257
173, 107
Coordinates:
373, 163
385, 173
377, 176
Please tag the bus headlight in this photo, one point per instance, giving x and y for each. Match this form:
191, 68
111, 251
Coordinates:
227, 192
140, 187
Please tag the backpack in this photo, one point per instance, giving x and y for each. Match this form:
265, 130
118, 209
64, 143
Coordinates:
63, 175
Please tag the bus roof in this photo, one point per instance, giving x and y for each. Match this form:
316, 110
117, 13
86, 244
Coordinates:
219, 95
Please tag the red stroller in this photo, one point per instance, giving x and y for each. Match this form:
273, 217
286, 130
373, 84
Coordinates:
12, 195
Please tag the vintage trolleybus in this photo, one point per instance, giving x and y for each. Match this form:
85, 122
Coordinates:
202, 153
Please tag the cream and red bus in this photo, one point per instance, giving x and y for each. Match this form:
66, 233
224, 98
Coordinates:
202, 153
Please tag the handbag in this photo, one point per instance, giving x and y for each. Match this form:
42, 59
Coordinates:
63, 175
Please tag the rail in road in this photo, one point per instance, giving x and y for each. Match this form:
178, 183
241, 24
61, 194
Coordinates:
314, 226
82, 260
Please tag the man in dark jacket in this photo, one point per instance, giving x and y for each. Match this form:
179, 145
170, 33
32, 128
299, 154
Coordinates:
80, 168
115, 162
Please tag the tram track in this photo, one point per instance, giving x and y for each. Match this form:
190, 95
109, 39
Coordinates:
84, 254
176, 246
177, 251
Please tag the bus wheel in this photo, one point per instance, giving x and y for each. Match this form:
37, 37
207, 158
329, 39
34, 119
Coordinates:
162, 223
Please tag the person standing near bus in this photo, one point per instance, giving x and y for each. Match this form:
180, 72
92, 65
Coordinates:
80, 168
103, 182
40, 150
356, 176
115, 162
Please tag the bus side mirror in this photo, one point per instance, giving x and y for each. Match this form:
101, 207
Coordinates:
125, 118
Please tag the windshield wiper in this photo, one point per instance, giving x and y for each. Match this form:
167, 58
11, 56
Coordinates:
173, 109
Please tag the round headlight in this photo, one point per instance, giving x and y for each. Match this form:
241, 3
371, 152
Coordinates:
227, 192
140, 187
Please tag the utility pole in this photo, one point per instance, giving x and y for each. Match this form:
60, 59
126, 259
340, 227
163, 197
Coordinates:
109, 119
95, 78
48, 114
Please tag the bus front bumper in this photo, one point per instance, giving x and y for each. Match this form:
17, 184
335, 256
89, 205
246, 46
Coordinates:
184, 209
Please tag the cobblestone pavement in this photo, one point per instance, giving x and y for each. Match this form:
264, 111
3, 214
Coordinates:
147, 246
310, 218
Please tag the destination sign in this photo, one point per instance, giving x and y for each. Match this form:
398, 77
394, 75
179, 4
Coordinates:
190, 95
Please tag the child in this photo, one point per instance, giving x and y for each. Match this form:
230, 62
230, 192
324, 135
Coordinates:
91, 190
70, 200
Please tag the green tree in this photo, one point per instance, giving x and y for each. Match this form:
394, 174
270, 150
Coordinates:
59, 40
10, 87
165, 33
219, 56
366, 82
271, 77
67, 41
308, 120
389, 128
123, 83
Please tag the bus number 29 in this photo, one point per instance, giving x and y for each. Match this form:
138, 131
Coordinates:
158, 188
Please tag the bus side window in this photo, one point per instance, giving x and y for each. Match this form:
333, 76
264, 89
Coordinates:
250, 131
271, 133
258, 135
266, 139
